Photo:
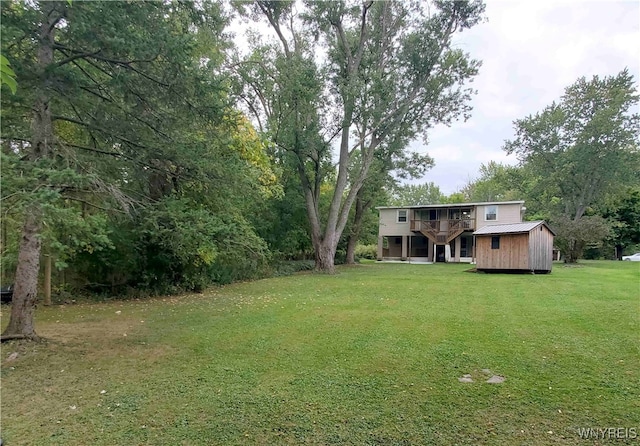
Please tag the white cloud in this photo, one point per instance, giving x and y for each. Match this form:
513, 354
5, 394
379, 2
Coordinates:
531, 51
446, 153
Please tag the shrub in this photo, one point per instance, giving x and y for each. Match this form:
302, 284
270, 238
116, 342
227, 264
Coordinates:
367, 252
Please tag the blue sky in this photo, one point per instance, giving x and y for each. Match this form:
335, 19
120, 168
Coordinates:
530, 50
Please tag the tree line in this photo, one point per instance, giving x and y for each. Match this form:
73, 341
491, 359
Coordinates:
141, 149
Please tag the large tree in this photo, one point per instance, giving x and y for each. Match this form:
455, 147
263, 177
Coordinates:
345, 83
496, 182
117, 106
416, 194
580, 151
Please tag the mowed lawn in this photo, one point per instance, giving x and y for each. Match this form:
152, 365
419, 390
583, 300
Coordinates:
370, 356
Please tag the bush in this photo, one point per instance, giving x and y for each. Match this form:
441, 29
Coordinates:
367, 252
288, 267
174, 246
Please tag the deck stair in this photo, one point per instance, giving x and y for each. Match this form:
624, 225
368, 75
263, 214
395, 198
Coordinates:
431, 229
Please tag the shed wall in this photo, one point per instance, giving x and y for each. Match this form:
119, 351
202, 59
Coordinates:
513, 252
540, 249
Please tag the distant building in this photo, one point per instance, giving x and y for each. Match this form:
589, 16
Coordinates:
439, 232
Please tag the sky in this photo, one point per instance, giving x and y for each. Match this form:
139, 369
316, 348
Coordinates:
530, 52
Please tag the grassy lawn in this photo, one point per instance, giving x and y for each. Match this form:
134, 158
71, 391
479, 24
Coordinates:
370, 356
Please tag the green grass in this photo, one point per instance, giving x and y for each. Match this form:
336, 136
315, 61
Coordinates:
370, 356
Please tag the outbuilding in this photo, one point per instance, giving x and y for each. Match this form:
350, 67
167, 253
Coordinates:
524, 246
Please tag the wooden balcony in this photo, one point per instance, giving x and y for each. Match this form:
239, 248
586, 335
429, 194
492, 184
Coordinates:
441, 234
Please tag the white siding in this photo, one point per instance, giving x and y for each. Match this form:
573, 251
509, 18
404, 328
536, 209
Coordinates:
389, 223
507, 213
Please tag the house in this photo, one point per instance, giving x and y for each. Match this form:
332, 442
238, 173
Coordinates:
524, 246
439, 232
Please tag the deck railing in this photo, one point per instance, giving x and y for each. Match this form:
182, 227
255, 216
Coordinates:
436, 225
426, 225
464, 224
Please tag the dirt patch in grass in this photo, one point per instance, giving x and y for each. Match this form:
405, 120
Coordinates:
93, 340
91, 332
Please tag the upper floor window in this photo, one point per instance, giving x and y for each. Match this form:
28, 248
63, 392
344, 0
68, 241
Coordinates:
459, 214
491, 213
402, 216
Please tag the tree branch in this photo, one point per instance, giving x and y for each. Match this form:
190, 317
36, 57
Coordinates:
95, 55
276, 26
80, 200
107, 132
74, 57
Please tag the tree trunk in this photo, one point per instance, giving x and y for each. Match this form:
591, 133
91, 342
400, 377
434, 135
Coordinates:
618, 252
352, 241
26, 280
572, 253
354, 235
325, 257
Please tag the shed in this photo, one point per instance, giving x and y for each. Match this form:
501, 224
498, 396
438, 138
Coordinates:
524, 246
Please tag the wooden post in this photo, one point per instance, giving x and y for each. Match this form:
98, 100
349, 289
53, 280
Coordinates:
47, 280
404, 248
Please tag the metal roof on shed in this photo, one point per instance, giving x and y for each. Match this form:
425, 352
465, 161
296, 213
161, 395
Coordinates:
512, 228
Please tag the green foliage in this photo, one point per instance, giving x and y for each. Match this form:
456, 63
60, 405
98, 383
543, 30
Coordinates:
150, 177
7, 75
573, 236
177, 245
389, 75
417, 194
68, 233
68, 227
623, 214
289, 267
367, 252
583, 148
191, 248
456, 197
497, 182
577, 154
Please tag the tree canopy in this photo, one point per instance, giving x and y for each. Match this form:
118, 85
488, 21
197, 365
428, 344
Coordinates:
389, 73
579, 152
122, 151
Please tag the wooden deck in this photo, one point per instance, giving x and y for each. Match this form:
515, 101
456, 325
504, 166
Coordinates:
441, 232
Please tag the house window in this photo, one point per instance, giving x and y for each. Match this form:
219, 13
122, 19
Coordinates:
491, 213
459, 214
495, 242
402, 216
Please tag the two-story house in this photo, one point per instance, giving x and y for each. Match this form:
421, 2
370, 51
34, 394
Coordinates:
439, 232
